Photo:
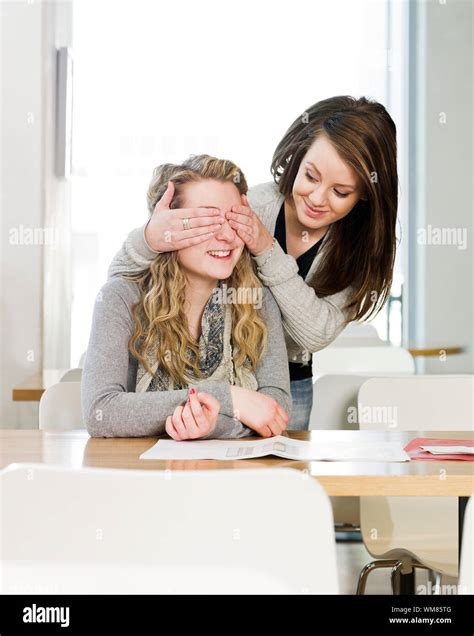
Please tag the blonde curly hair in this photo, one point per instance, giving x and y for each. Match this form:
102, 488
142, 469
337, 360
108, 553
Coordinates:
159, 312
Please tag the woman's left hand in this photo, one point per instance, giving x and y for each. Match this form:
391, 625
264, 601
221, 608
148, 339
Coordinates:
195, 419
249, 228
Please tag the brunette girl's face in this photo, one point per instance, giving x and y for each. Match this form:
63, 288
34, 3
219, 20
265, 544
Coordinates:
216, 258
325, 188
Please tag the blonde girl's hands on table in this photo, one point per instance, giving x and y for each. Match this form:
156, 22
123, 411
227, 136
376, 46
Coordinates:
164, 231
249, 228
197, 418
259, 412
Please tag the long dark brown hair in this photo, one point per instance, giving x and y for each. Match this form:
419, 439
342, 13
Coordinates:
359, 248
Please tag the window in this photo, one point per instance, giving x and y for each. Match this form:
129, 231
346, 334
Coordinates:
157, 81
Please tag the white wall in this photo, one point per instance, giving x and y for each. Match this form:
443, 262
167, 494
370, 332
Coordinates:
441, 300
29, 35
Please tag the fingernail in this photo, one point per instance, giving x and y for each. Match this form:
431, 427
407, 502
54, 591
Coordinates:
192, 391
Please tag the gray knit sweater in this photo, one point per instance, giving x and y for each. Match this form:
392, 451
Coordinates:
110, 405
310, 323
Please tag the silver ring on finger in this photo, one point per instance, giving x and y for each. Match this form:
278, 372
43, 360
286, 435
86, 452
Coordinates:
186, 225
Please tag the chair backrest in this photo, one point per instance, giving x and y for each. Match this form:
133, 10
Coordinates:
466, 569
359, 335
82, 359
60, 407
419, 402
96, 530
369, 359
72, 375
335, 401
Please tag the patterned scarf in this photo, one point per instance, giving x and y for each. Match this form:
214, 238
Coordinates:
216, 355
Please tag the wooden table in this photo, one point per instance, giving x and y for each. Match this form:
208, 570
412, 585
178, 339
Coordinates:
33, 388
416, 478
436, 352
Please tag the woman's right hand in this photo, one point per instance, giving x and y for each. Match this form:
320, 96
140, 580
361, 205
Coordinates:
197, 418
258, 411
165, 233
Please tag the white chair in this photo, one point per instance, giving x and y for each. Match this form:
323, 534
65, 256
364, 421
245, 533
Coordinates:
359, 335
335, 401
72, 375
368, 359
466, 569
407, 532
335, 408
423, 402
60, 407
111, 531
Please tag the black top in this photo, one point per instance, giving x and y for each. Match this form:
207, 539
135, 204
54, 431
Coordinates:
298, 371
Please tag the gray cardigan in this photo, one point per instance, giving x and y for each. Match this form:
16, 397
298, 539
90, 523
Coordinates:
110, 406
310, 323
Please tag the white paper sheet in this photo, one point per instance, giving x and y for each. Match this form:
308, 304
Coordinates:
280, 446
449, 450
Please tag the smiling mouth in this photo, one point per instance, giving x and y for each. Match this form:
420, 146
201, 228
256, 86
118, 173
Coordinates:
221, 254
312, 210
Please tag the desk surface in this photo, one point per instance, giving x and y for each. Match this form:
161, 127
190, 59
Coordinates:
436, 352
416, 478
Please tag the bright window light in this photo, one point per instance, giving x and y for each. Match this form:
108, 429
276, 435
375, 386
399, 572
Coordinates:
157, 81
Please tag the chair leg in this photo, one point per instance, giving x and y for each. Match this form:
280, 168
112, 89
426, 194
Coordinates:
435, 579
395, 578
373, 565
397, 571
398, 567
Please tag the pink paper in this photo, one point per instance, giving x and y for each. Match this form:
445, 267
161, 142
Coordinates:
413, 449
